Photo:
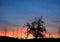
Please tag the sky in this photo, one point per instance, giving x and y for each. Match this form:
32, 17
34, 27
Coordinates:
17, 12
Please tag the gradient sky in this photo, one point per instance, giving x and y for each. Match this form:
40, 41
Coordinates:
17, 12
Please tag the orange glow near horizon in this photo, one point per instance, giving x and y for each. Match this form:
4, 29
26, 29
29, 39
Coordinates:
21, 33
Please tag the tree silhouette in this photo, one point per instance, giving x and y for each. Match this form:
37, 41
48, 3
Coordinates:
36, 28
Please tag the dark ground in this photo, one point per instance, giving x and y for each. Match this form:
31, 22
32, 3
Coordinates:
9, 39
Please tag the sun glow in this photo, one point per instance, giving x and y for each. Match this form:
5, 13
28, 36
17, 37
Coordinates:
22, 33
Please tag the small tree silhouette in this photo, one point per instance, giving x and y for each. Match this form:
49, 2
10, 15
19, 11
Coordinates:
36, 28
59, 32
5, 30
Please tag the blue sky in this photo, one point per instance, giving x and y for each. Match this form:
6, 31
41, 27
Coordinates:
18, 11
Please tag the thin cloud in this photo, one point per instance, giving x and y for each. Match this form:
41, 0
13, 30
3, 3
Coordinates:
56, 21
4, 24
5, 6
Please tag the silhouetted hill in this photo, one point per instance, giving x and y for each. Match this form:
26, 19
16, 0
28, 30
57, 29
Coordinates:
5, 38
